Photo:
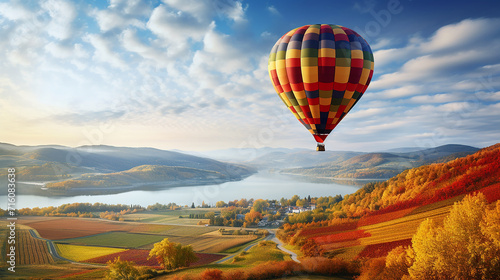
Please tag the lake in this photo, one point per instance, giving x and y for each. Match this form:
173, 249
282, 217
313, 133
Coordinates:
263, 185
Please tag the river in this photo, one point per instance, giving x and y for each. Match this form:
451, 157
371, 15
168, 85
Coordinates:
265, 185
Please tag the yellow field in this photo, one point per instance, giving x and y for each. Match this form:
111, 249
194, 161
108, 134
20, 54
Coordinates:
402, 228
396, 230
80, 253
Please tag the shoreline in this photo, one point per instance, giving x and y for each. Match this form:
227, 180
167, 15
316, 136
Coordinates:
37, 188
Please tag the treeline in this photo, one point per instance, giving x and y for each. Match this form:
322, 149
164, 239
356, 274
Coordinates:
76, 209
118, 216
163, 207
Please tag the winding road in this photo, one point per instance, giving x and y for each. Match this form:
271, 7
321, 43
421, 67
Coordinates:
271, 237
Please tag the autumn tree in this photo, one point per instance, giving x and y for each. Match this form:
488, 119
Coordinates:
172, 255
311, 249
242, 203
123, 270
466, 246
260, 205
220, 204
252, 217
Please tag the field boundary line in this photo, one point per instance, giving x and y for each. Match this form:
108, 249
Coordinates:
53, 250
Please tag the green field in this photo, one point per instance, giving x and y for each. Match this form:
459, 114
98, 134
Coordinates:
116, 239
80, 253
262, 252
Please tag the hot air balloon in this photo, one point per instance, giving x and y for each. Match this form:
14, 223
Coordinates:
320, 72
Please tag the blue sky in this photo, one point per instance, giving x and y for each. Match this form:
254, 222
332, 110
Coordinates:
192, 75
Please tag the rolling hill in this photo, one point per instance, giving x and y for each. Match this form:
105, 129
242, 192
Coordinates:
381, 165
112, 166
152, 176
381, 216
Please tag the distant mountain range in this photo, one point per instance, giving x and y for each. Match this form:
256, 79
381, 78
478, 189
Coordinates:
105, 168
342, 164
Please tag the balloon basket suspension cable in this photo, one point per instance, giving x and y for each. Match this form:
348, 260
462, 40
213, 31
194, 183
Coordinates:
320, 147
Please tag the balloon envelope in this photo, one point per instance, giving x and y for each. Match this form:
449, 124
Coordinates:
320, 72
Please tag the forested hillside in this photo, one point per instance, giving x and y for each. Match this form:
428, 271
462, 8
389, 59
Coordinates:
144, 174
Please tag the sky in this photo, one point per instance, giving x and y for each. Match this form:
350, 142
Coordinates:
192, 74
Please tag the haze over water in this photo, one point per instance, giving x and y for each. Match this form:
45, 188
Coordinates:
261, 185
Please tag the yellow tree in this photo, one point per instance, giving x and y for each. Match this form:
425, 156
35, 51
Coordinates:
465, 247
172, 255
123, 270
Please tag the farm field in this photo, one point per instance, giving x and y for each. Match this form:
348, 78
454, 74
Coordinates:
63, 228
116, 239
376, 235
169, 216
140, 257
80, 253
30, 250
212, 244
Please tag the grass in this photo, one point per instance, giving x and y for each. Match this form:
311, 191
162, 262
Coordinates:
262, 252
237, 248
295, 249
80, 253
116, 239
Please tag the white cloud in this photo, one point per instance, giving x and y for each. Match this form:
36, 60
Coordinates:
109, 20
62, 14
467, 33
176, 28
133, 44
273, 10
437, 98
104, 51
63, 51
121, 14
14, 11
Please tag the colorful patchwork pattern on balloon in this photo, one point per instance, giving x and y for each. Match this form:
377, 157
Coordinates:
320, 72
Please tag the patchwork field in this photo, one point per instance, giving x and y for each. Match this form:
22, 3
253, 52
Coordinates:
376, 235
63, 228
212, 244
116, 239
67, 228
80, 253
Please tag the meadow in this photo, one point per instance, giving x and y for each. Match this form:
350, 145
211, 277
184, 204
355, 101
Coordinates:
80, 253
